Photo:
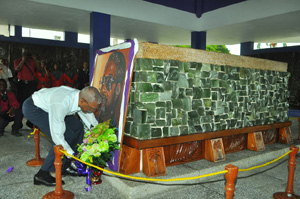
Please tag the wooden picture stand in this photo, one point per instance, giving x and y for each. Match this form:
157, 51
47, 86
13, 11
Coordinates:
285, 135
129, 160
214, 150
255, 141
154, 162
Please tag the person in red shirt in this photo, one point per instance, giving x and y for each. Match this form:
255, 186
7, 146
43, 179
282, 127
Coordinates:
9, 110
42, 76
57, 76
70, 76
25, 68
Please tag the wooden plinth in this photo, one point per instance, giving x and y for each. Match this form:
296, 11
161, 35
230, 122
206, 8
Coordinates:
256, 142
35, 162
65, 195
285, 135
283, 195
129, 160
154, 162
214, 150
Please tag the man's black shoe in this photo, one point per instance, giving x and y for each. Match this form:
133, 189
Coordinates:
47, 180
16, 133
70, 172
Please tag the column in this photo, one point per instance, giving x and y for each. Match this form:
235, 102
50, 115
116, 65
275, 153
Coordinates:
199, 40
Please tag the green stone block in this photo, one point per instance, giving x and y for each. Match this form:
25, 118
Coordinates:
184, 130
150, 108
176, 121
158, 62
136, 96
168, 106
191, 83
206, 127
196, 103
181, 94
160, 77
174, 113
139, 116
182, 81
236, 76
187, 104
215, 83
193, 65
127, 128
191, 74
174, 131
201, 111
143, 87
242, 73
177, 103
137, 65
184, 118
223, 84
207, 103
156, 132
205, 74
134, 131
189, 92
168, 119
217, 127
228, 69
197, 93
149, 97
157, 88
193, 114
167, 85
160, 122
158, 69
181, 67
243, 82
197, 82
166, 67
216, 118
206, 119
160, 104
167, 95
179, 113
213, 74
223, 76
186, 66
174, 63
206, 93
175, 92
214, 95
144, 131
206, 67
146, 64
140, 77
216, 67
151, 77
166, 131
205, 83
173, 74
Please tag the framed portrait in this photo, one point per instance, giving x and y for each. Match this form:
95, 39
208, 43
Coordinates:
113, 67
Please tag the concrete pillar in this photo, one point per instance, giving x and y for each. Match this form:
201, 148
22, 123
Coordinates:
199, 40
99, 35
247, 48
18, 33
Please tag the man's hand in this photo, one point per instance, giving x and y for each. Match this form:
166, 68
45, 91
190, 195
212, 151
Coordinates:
11, 112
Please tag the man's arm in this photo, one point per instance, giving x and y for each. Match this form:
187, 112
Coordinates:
19, 66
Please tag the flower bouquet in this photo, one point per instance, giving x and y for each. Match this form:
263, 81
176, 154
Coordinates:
98, 147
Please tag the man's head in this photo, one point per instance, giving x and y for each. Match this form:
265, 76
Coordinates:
26, 52
111, 83
89, 99
85, 65
3, 85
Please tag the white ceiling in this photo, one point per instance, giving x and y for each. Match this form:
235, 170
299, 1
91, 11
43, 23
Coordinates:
253, 20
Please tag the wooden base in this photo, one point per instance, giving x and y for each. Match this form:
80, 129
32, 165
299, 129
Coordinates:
214, 150
285, 135
255, 141
283, 195
35, 162
65, 195
129, 160
154, 162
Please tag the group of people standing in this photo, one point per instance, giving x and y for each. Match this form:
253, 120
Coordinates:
32, 75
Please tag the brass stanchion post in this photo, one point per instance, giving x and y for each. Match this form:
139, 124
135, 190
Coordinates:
289, 192
59, 193
230, 178
37, 161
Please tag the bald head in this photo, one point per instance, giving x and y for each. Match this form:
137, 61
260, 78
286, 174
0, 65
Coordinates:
90, 94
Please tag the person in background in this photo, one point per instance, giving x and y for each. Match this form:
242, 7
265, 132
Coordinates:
9, 110
5, 73
70, 76
83, 76
42, 76
53, 111
25, 68
57, 76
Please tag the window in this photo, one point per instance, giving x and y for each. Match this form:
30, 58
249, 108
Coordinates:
43, 34
82, 38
